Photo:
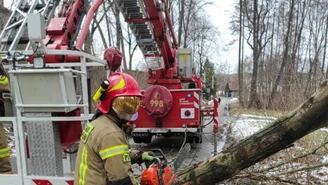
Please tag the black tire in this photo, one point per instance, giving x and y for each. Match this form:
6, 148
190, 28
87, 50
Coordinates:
198, 139
199, 135
144, 139
147, 139
190, 139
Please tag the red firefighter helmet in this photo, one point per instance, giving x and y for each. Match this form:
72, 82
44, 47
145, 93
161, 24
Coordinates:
122, 87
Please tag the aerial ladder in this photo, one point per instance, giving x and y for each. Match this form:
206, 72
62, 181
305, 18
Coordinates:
42, 49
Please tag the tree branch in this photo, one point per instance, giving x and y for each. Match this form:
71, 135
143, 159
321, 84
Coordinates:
305, 168
314, 151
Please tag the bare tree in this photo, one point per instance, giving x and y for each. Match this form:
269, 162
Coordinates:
96, 26
181, 19
132, 46
256, 15
290, 68
240, 52
325, 51
285, 55
194, 29
119, 34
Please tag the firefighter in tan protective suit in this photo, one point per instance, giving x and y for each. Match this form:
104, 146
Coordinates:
5, 167
104, 156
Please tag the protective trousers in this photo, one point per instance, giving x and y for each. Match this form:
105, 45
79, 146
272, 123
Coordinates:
5, 166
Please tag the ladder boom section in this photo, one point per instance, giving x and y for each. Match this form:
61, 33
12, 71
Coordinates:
62, 29
150, 22
67, 28
14, 31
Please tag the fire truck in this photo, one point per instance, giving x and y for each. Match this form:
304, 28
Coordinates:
171, 104
44, 107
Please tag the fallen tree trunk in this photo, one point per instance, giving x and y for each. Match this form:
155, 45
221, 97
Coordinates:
308, 117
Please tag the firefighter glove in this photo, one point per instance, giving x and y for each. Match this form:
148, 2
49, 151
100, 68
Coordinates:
127, 129
147, 157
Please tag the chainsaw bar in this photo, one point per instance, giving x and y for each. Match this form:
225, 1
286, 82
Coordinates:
181, 156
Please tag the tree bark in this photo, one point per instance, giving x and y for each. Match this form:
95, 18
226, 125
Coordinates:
253, 98
240, 54
308, 117
289, 73
108, 24
285, 57
119, 35
181, 19
187, 22
325, 51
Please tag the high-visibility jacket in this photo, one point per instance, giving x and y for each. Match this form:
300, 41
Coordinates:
4, 83
104, 156
5, 166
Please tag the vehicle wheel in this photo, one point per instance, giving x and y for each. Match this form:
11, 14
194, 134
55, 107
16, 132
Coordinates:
147, 139
199, 135
198, 139
190, 139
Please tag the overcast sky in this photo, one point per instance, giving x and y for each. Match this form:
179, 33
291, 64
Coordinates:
221, 15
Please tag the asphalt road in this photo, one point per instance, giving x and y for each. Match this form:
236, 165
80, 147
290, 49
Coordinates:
199, 152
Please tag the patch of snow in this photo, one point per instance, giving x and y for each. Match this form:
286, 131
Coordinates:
324, 129
244, 126
233, 100
325, 169
250, 116
320, 174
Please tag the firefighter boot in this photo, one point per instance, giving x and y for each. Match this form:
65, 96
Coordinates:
5, 167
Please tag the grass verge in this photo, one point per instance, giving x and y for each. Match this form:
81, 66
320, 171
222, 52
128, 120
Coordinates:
237, 109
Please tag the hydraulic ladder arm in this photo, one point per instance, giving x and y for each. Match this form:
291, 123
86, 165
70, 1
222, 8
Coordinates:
151, 24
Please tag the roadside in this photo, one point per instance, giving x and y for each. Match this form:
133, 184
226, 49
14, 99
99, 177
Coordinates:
304, 162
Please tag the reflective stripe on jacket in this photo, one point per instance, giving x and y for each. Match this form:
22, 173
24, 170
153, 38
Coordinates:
104, 155
4, 152
5, 165
3, 80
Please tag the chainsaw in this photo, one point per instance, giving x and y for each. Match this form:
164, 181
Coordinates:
160, 172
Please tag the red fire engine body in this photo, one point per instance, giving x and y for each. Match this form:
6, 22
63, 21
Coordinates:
171, 105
